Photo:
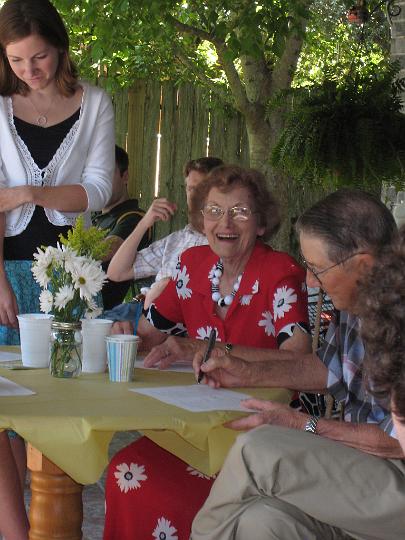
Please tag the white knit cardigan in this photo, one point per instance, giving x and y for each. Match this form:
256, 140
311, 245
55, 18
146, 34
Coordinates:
86, 157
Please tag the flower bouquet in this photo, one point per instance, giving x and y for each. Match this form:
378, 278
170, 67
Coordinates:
70, 276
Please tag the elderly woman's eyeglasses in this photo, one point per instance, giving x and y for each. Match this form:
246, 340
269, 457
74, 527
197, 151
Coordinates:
237, 213
317, 273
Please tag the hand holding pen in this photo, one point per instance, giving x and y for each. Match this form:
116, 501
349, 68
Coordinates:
207, 354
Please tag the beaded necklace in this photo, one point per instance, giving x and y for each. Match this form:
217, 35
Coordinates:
227, 300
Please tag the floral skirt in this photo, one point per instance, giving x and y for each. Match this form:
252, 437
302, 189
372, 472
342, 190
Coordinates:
151, 494
27, 292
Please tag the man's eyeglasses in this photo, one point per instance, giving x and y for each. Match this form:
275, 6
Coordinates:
215, 213
317, 273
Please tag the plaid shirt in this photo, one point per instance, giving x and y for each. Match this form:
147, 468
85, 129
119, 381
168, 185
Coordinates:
343, 355
160, 258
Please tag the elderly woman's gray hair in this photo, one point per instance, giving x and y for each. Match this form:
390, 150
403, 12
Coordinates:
348, 221
227, 177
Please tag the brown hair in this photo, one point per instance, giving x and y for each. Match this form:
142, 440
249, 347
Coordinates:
22, 18
201, 165
226, 178
348, 221
382, 312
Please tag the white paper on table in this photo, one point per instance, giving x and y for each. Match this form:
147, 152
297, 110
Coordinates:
10, 388
182, 367
6, 356
197, 398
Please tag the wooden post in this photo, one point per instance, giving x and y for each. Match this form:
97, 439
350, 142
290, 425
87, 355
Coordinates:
56, 510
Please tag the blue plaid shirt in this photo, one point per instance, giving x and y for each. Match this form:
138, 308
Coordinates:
343, 355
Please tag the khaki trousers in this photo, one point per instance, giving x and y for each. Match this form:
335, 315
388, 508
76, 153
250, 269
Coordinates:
285, 484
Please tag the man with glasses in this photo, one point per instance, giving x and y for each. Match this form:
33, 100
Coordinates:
296, 476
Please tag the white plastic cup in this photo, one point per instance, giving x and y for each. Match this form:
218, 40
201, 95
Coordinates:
35, 335
94, 332
121, 356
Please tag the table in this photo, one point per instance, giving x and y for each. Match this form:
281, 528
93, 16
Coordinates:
69, 424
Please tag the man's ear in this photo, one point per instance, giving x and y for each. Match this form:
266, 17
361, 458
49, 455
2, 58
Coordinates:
125, 177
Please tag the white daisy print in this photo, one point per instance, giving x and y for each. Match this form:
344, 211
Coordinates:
164, 530
211, 272
204, 332
195, 472
303, 287
177, 269
46, 301
267, 322
181, 285
255, 288
283, 299
129, 477
245, 299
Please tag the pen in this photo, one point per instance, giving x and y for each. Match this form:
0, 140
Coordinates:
210, 346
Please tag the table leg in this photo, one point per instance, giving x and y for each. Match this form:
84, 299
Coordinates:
56, 510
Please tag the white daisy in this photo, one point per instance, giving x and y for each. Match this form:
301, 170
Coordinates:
46, 301
88, 278
181, 285
195, 472
245, 299
267, 322
93, 310
41, 267
204, 333
164, 530
129, 477
255, 288
63, 296
283, 299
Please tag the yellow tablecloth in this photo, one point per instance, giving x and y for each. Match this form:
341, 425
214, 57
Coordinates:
71, 421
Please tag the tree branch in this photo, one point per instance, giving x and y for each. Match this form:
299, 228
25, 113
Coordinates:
235, 83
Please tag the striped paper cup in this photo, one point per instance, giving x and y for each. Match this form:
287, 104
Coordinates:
121, 355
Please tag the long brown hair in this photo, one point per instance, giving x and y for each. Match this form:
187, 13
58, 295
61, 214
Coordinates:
22, 18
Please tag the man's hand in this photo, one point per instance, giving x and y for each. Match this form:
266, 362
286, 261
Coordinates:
224, 370
171, 350
160, 210
8, 304
269, 412
122, 327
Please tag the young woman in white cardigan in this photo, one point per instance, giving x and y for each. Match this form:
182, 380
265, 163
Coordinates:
56, 148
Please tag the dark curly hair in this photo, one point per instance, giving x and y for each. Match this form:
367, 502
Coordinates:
382, 313
226, 178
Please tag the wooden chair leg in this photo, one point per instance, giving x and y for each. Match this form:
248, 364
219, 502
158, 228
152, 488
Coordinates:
56, 510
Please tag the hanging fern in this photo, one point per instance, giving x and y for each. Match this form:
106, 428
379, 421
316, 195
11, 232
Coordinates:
345, 134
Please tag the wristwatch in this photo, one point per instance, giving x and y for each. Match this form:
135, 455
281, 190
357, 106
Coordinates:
310, 426
228, 348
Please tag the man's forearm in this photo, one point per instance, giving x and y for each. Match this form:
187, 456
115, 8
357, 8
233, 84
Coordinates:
366, 437
121, 264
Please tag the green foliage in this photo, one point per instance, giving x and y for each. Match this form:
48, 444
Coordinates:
348, 132
91, 242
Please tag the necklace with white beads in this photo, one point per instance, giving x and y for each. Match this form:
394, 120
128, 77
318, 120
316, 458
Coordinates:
227, 300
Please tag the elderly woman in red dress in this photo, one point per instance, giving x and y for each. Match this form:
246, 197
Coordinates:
254, 298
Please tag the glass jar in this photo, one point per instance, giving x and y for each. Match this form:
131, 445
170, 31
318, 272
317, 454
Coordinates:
65, 349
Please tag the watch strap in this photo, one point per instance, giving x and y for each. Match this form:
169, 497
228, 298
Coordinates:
311, 425
228, 348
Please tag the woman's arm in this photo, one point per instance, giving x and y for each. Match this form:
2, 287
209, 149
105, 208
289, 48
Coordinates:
121, 265
71, 198
8, 302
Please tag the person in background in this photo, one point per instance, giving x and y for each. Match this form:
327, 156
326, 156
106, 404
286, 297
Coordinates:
119, 217
13, 518
56, 148
295, 476
382, 312
160, 258
251, 295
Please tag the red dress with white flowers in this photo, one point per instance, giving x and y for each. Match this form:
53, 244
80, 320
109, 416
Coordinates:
150, 493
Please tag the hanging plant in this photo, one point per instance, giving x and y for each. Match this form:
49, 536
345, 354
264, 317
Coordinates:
349, 133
